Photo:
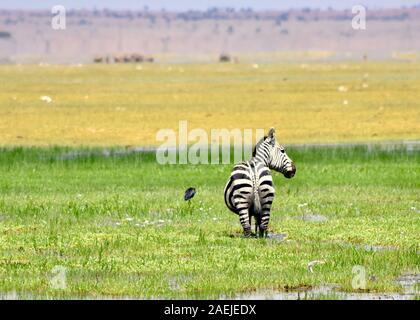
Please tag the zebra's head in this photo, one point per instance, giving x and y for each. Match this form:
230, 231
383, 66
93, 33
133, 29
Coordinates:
274, 155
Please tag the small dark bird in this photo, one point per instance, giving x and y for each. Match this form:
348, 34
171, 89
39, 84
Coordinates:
189, 194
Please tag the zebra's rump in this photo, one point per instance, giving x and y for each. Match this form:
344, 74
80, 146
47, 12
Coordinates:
238, 188
248, 187
228, 195
235, 193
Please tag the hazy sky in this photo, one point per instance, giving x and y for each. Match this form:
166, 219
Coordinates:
201, 4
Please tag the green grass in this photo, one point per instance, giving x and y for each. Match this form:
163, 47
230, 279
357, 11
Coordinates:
88, 215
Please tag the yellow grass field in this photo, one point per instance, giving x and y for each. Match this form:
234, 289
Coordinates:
107, 105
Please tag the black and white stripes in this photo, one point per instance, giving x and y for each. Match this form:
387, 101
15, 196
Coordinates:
249, 191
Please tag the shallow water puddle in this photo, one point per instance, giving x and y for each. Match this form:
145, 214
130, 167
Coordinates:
327, 291
105, 153
277, 236
410, 283
314, 218
413, 145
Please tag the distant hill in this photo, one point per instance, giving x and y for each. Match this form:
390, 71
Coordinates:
27, 36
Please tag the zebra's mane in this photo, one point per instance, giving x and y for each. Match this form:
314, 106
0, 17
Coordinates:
254, 151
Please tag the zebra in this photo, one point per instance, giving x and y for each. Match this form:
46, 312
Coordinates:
249, 191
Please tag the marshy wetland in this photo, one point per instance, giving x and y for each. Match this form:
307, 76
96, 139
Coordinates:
75, 194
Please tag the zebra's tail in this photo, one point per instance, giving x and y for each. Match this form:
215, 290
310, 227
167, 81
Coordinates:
257, 204
257, 211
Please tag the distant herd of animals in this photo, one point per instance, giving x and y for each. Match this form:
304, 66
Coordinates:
127, 58
139, 58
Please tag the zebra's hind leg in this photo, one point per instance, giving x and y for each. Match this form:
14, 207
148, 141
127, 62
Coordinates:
265, 219
257, 225
260, 228
263, 233
245, 222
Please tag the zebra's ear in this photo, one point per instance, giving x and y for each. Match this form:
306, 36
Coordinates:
271, 137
